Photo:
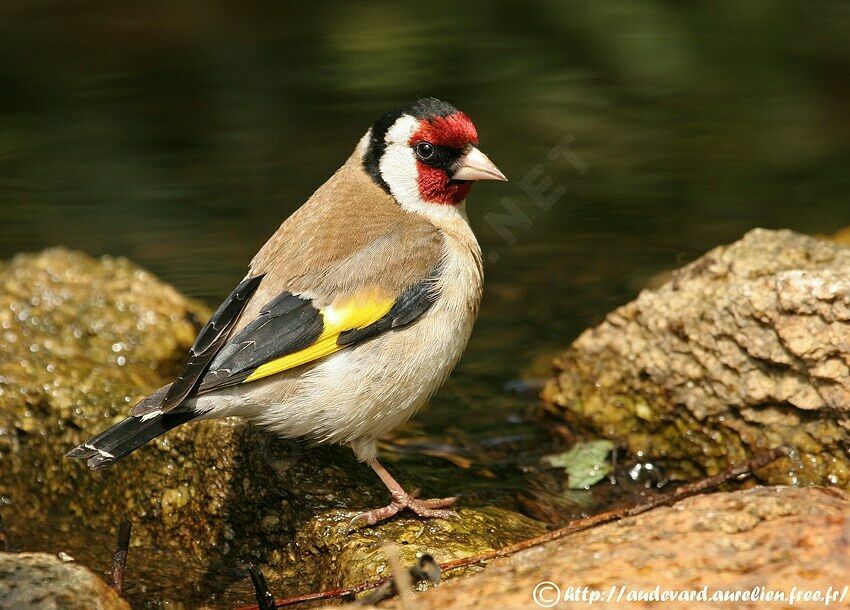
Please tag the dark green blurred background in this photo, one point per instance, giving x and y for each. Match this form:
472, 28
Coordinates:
180, 134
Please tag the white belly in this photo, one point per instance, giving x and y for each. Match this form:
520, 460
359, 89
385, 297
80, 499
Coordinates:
365, 391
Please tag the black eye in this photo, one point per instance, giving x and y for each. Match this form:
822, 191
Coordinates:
424, 150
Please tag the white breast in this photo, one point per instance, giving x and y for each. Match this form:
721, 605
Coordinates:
363, 392
360, 393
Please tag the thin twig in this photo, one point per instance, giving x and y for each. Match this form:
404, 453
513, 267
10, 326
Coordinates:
401, 577
577, 525
425, 570
119, 559
4, 538
265, 599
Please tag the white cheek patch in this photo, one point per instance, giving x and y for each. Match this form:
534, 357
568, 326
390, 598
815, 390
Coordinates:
398, 164
399, 171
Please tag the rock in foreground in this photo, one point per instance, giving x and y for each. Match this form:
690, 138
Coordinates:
352, 557
82, 340
771, 537
38, 581
747, 347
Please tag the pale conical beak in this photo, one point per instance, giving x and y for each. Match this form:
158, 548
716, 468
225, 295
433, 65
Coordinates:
475, 165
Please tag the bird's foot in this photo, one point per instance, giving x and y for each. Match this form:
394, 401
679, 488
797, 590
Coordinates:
432, 508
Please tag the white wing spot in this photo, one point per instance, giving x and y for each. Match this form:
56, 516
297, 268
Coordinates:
103, 453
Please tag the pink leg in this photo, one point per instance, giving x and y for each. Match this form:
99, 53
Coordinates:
400, 500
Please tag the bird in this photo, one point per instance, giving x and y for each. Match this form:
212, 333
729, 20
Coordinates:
352, 314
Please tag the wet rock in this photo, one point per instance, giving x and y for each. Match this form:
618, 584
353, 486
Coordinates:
771, 537
353, 557
44, 582
83, 339
747, 347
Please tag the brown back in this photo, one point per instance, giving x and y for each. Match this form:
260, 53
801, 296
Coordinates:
349, 235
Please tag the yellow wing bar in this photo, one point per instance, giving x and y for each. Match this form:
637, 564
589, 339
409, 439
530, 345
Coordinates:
354, 312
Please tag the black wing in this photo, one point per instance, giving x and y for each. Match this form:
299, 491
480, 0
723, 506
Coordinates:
287, 324
209, 341
291, 323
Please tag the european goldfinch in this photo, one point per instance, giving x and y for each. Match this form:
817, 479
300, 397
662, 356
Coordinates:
352, 314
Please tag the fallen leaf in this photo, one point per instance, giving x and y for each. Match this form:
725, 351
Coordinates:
585, 463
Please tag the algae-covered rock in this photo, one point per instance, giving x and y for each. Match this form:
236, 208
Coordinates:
38, 581
748, 347
352, 557
82, 340
774, 540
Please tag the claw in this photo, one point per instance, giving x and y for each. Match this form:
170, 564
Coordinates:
433, 508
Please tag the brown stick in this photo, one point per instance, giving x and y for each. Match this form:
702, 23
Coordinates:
4, 538
119, 559
577, 525
265, 599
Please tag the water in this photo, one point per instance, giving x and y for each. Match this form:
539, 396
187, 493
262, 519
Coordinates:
181, 134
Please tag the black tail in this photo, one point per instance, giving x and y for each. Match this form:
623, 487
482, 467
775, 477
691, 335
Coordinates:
126, 436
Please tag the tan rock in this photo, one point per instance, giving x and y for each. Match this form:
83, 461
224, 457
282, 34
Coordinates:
767, 539
745, 348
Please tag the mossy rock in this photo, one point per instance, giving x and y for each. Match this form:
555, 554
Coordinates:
83, 339
38, 581
351, 557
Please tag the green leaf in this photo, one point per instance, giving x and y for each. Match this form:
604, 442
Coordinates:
585, 463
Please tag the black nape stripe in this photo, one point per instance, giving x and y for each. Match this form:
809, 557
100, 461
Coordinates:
424, 108
377, 146
429, 108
